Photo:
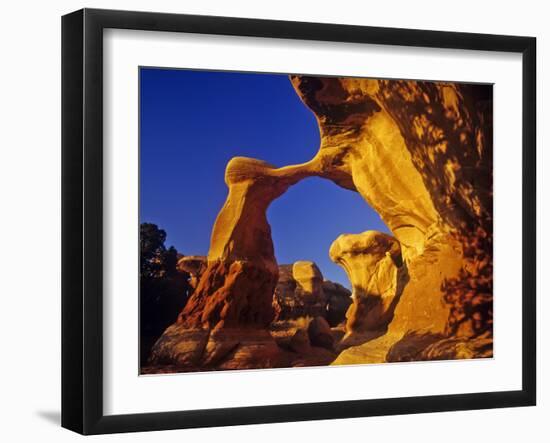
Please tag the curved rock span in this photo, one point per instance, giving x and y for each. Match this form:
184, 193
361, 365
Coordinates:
420, 154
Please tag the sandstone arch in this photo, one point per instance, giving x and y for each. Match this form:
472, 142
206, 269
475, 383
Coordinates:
420, 154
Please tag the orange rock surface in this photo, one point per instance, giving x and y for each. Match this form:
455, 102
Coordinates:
420, 153
372, 260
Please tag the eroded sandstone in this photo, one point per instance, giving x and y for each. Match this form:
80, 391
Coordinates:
372, 260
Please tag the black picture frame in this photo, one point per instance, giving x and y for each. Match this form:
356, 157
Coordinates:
82, 218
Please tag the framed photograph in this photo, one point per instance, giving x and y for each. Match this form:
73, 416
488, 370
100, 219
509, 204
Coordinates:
268, 221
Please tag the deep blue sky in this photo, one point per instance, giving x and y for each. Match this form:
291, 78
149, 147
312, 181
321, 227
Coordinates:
193, 122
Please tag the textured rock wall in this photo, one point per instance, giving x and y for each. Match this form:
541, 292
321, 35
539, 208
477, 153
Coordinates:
372, 260
420, 153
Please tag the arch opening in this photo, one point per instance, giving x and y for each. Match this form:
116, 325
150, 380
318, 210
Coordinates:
310, 216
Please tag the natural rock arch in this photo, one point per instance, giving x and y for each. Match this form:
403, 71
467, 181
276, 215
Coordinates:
413, 150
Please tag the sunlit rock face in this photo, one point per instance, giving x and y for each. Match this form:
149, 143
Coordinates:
309, 280
420, 154
372, 261
362, 145
235, 291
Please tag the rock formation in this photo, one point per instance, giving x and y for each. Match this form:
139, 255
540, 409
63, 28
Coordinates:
302, 292
299, 291
194, 265
372, 260
231, 306
420, 154
338, 302
309, 281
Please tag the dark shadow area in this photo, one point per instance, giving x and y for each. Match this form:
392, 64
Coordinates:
402, 280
